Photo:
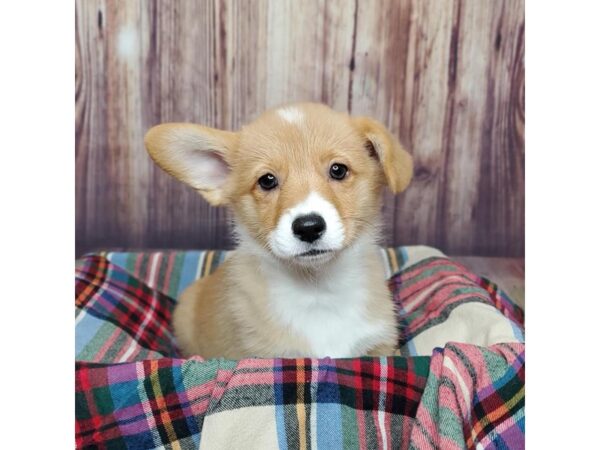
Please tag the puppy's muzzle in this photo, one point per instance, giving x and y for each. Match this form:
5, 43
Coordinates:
309, 228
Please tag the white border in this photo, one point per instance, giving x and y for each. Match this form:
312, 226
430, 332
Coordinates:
562, 223
37, 226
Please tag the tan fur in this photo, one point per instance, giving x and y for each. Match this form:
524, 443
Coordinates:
228, 313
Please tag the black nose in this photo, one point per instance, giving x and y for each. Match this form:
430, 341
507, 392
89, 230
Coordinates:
308, 228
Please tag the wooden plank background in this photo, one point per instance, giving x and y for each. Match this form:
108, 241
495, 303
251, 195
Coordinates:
446, 77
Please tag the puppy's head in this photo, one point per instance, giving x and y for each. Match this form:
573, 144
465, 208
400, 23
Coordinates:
303, 180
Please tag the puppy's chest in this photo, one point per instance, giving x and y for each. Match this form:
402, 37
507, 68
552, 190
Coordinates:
333, 319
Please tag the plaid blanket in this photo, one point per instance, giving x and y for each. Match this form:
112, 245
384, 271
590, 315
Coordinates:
457, 381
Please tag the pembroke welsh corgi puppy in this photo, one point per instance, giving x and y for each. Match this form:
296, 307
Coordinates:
306, 280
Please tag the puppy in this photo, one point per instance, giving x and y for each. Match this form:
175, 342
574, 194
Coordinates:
306, 280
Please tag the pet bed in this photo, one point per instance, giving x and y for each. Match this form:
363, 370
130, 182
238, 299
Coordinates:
457, 380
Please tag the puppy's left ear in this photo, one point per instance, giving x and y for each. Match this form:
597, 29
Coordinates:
194, 154
396, 162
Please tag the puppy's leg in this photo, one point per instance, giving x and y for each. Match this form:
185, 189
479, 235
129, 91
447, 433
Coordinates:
184, 319
383, 349
201, 320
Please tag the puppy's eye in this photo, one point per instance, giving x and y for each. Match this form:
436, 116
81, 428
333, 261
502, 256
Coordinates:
338, 171
268, 182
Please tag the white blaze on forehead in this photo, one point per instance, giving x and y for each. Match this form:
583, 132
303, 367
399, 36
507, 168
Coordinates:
291, 114
285, 244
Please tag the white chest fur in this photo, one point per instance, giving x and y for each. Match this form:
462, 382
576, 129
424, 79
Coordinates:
330, 311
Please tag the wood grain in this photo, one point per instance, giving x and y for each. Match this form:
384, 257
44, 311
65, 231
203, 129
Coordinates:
446, 77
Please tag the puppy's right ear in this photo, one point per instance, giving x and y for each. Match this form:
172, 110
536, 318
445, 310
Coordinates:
396, 162
194, 154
